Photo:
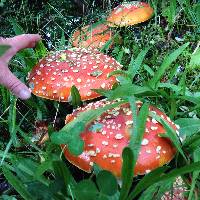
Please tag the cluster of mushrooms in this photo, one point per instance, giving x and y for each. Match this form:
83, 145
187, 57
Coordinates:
87, 68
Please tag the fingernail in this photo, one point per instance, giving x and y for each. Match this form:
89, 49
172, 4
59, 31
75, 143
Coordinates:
24, 94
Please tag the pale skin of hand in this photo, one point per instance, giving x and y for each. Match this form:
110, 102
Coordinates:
7, 78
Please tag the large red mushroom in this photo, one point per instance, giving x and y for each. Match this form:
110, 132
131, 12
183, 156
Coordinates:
106, 137
87, 69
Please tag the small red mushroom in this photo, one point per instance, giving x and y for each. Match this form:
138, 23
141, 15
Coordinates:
129, 13
94, 36
106, 137
87, 69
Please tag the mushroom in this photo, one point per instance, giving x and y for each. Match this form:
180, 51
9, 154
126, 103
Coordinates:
87, 69
105, 138
129, 13
94, 36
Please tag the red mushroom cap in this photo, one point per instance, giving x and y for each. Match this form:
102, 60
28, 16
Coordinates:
130, 13
106, 137
87, 69
94, 36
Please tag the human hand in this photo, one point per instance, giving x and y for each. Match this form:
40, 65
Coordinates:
7, 78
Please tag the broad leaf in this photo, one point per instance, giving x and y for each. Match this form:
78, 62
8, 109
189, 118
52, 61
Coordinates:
86, 189
76, 97
107, 183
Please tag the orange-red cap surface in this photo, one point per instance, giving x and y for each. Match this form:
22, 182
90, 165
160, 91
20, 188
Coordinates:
87, 69
106, 137
129, 13
94, 36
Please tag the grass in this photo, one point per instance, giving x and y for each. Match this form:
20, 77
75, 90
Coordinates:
151, 54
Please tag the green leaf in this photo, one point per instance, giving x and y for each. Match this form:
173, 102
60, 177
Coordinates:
86, 189
157, 190
188, 126
139, 125
43, 167
3, 49
195, 59
69, 134
148, 180
26, 168
63, 173
175, 88
172, 174
70, 137
136, 64
148, 69
127, 172
76, 145
107, 183
6, 197
76, 97
17, 184
126, 90
40, 50
166, 63
195, 174
39, 190
173, 137
192, 143
16, 27
170, 133
117, 72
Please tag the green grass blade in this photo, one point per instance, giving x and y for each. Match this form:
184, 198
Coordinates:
5, 153
195, 174
148, 180
170, 133
172, 174
12, 120
136, 64
166, 63
17, 184
127, 172
16, 27
127, 90
139, 124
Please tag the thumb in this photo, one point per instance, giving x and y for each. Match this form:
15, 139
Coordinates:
14, 84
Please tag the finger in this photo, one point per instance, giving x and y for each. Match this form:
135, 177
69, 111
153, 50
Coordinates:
24, 41
18, 43
14, 85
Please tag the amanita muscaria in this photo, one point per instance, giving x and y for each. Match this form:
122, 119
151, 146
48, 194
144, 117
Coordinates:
129, 13
87, 69
94, 36
106, 137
